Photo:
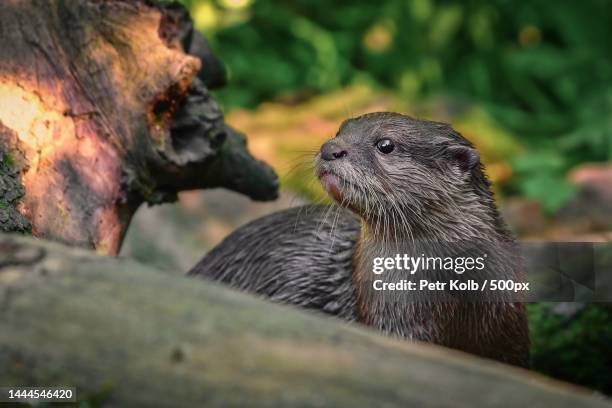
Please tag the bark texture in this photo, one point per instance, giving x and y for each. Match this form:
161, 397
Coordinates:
102, 108
127, 335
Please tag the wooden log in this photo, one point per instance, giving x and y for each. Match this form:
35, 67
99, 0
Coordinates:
124, 334
101, 110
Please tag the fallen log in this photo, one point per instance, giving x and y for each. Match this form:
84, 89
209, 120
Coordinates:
124, 334
104, 105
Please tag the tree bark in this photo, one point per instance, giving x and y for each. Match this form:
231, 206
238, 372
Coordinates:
103, 108
126, 335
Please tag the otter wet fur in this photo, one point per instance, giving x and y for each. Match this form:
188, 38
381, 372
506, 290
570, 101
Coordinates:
402, 186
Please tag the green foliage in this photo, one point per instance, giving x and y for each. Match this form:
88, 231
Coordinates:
538, 176
541, 68
574, 347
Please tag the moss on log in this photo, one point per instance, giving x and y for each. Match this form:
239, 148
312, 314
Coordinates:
127, 335
11, 191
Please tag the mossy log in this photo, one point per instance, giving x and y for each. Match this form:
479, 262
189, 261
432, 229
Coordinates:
104, 105
126, 335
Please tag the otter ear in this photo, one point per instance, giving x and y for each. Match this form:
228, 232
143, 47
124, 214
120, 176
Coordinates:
466, 157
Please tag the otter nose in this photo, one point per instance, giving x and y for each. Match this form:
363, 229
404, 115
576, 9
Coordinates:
332, 151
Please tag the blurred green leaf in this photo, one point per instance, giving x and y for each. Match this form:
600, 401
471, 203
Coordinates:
549, 190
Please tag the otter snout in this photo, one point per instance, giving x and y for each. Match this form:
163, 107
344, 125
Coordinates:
327, 168
332, 151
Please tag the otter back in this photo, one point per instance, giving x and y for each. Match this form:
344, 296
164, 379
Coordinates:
301, 256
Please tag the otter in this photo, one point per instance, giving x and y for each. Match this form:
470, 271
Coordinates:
401, 186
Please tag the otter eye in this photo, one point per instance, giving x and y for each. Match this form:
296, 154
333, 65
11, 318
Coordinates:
385, 146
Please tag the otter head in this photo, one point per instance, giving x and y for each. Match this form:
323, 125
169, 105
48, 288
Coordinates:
402, 175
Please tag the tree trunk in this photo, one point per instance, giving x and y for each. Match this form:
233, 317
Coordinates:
101, 109
126, 335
